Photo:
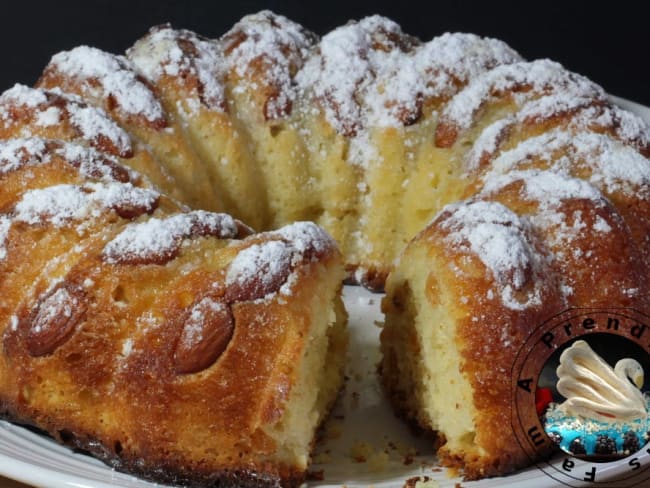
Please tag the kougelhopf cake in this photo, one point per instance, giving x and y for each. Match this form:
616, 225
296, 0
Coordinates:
172, 344
224, 350
556, 217
338, 130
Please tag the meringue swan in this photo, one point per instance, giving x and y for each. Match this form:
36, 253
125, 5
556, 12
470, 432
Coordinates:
595, 390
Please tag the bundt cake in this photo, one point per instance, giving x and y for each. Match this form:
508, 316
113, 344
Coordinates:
172, 344
556, 217
338, 131
144, 322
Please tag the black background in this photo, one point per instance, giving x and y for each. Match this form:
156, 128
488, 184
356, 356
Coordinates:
608, 44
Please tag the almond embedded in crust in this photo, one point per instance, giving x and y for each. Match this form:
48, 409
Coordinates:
208, 328
54, 319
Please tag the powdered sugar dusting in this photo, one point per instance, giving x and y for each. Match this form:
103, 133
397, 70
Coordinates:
629, 126
94, 123
160, 237
540, 77
5, 226
546, 187
275, 42
48, 117
61, 204
267, 267
431, 70
22, 95
585, 114
55, 204
18, 153
15, 153
487, 143
462, 57
52, 106
600, 225
347, 62
549, 190
536, 110
177, 53
263, 262
306, 236
127, 347
114, 74
370, 74
114, 195
95, 164
195, 323
614, 166
556, 103
501, 240
59, 304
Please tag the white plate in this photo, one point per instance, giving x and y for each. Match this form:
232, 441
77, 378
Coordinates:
362, 424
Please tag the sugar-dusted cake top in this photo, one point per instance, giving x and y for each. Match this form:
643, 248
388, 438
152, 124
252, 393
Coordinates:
159, 240
36, 108
105, 75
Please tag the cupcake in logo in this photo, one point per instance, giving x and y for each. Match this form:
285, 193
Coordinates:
597, 411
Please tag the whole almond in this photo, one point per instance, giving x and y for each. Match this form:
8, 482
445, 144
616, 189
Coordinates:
54, 319
207, 330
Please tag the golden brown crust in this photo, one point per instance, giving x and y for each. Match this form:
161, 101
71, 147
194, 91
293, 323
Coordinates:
488, 353
161, 319
168, 352
92, 86
26, 106
109, 83
247, 57
153, 438
171, 473
556, 217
